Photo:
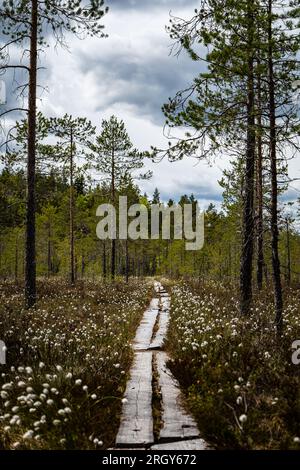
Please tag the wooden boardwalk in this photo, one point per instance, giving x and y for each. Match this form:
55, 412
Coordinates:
136, 426
178, 429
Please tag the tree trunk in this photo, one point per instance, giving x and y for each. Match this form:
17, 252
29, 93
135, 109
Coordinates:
113, 242
127, 261
288, 252
248, 222
72, 262
49, 263
274, 191
104, 271
16, 259
30, 268
259, 193
82, 264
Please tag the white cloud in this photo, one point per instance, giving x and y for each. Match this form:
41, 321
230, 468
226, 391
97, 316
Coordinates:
131, 75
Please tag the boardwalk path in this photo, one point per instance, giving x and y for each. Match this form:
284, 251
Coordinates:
178, 429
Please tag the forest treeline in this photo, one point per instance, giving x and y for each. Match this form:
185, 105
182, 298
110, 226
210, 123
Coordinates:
219, 259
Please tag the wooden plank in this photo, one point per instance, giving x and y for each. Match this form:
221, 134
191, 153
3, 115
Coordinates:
177, 423
157, 286
161, 333
165, 302
136, 428
191, 444
144, 332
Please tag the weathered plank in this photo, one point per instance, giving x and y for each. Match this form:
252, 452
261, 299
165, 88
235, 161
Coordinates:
144, 332
191, 444
136, 428
157, 286
177, 423
179, 430
165, 302
160, 335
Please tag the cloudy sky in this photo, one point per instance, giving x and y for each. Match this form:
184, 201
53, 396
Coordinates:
131, 74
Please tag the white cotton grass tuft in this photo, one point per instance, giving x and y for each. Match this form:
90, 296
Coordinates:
239, 400
97, 442
243, 419
28, 434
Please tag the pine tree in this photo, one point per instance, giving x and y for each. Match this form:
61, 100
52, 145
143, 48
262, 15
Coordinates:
25, 23
156, 197
73, 134
113, 156
227, 114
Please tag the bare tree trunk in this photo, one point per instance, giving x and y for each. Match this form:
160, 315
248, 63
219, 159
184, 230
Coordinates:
72, 262
49, 263
127, 261
1, 249
288, 252
104, 271
248, 222
30, 268
82, 264
274, 191
113, 242
259, 193
16, 259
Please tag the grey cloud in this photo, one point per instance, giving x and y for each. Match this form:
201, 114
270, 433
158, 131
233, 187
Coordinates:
146, 4
143, 82
201, 190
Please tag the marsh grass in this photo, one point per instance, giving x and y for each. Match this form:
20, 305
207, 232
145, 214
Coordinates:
239, 379
67, 362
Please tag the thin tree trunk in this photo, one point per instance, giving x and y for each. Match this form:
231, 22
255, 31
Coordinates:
288, 251
104, 271
16, 259
30, 268
82, 264
72, 262
259, 192
274, 191
248, 222
49, 263
127, 261
113, 242
229, 262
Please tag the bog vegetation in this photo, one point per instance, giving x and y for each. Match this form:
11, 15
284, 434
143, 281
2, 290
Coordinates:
70, 303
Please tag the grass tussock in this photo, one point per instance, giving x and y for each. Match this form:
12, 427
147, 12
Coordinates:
240, 382
67, 363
